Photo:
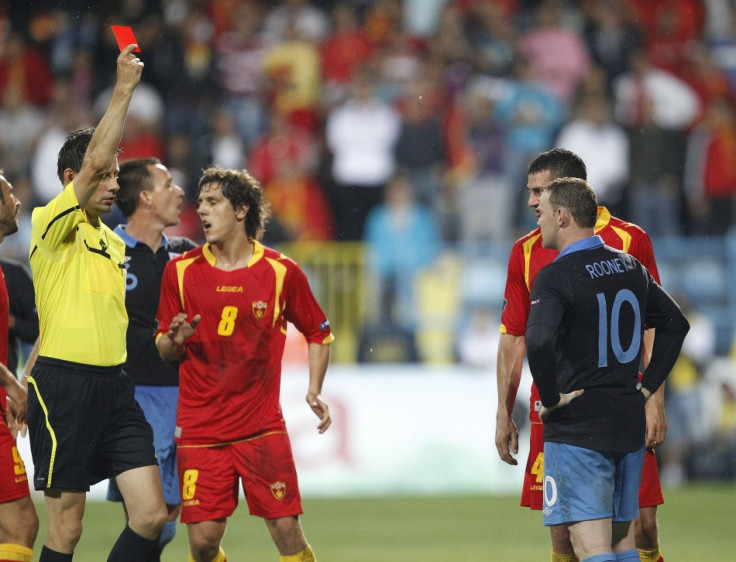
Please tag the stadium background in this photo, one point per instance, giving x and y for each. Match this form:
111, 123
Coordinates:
470, 90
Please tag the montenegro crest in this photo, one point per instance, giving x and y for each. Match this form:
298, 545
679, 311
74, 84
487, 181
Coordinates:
259, 309
278, 489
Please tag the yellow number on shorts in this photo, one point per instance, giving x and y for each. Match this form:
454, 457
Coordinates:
189, 484
227, 321
18, 467
538, 467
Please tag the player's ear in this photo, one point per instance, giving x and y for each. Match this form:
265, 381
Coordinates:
241, 211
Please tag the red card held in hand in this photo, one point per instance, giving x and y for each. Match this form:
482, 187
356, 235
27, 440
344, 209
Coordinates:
124, 36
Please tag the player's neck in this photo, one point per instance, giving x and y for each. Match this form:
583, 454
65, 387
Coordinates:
145, 231
571, 235
232, 253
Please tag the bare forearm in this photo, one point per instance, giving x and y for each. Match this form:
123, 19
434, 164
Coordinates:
319, 359
509, 363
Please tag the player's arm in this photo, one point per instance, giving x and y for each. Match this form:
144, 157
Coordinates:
171, 343
654, 407
509, 363
106, 138
672, 327
319, 358
656, 417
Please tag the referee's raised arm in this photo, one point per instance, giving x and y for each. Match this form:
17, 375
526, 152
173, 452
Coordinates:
106, 138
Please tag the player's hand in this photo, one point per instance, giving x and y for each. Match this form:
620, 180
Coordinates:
656, 420
321, 410
16, 408
565, 399
130, 68
507, 437
180, 329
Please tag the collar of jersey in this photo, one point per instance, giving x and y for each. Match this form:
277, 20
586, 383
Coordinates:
131, 241
258, 252
589, 243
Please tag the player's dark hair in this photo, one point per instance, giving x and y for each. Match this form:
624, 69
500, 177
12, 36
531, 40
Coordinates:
560, 163
71, 154
134, 176
240, 188
577, 197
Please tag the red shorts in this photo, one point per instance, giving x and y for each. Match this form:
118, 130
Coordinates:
209, 477
650, 490
13, 477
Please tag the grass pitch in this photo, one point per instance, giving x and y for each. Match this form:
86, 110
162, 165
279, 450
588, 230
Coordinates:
696, 524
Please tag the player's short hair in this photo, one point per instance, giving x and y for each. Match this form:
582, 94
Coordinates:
71, 154
560, 163
577, 197
134, 176
241, 188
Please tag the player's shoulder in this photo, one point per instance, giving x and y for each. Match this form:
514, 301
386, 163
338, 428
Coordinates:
630, 227
529, 238
273, 254
187, 254
179, 244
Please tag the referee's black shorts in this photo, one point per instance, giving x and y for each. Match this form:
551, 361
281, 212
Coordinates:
84, 425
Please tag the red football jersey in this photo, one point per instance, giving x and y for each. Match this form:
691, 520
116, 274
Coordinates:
230, 373
528, 257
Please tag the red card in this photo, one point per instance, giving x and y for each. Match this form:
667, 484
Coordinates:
125, 37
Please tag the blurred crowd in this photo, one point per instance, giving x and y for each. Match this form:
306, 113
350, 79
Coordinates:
406, 124
327, 102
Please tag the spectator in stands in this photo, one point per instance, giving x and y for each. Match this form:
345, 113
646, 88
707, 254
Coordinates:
309, 21
558, 57
603, 145
403, 238
710, 171
654, 192
345, 50
239, 64
611, 35
531, 116
361, 135
293, 69
487, 200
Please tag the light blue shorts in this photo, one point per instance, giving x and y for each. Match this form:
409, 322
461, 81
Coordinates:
159, 406
583, 485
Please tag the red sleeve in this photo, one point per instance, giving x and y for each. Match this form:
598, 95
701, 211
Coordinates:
516, 295
169, 304
302, 309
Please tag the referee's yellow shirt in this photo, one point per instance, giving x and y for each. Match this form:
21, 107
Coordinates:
79, 278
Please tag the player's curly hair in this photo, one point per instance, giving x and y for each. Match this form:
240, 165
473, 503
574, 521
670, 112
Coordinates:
241, 188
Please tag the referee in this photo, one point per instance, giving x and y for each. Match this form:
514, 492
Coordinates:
85, 425
589, 309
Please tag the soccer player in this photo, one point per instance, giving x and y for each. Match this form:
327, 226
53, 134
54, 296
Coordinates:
151, 201
85, 425
584, 338
526, 259
18, 520
22, 318
223, 312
